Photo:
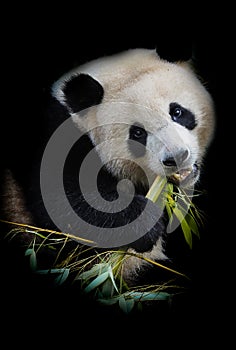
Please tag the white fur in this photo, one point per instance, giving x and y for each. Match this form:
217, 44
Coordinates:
138, 77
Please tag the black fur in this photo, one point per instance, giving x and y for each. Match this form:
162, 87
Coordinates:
82, 91
182, 116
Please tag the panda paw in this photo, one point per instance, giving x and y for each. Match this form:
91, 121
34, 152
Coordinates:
146, 242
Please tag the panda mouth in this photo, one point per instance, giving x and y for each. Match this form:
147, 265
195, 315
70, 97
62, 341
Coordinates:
183, 176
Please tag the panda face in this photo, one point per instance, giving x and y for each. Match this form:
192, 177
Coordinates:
151, 117
159, 146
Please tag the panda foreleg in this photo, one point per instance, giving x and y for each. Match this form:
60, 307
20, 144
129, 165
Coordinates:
121, 219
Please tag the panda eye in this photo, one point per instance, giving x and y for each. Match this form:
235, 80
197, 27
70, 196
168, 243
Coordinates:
176, 113
182, 116
137, 133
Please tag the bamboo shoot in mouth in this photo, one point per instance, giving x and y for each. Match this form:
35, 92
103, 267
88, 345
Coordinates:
177, 203
160, 182
179, 176
156, 188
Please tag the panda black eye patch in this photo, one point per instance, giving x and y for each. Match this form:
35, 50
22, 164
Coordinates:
139, 134
182, 116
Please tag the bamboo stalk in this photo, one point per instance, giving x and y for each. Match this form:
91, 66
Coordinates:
156, 188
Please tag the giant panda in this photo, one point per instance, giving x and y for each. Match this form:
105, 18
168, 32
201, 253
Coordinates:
138, 116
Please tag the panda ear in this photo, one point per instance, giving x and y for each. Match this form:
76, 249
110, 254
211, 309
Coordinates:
81, 92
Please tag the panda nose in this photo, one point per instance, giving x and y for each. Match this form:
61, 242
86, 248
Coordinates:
176, 160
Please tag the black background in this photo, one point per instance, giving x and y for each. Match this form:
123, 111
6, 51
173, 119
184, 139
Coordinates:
37, 48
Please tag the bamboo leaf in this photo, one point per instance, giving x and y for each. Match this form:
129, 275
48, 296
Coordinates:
32, 258
144, 296
169, 187
97, 281
176, 219
192, 224
169, 212
187, 233
184, 225
178, 213
96, 270
62, 276
107, 289
112, 278
126, 305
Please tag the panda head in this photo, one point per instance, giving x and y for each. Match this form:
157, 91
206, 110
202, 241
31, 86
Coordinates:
145, 116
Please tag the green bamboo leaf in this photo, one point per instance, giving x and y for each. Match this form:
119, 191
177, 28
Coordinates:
192, 224
187, 233
28, 251
97, 281
169, 188
169, 212
32, 258
96, 270
107, 289
62, 276
144, 296
178, 213
184, 225
126, 305
112, 278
